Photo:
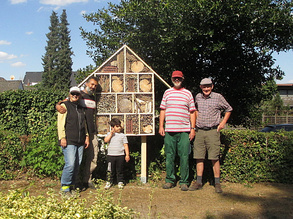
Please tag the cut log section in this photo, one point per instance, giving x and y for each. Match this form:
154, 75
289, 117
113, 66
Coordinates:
117, 84
145, 85
124, 103
137, 67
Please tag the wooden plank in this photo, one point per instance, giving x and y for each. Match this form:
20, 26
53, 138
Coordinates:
143, 176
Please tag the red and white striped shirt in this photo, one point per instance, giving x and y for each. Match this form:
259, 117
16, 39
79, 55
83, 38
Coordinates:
178, 105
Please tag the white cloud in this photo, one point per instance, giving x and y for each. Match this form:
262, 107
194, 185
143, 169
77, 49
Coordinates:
4, 42
5, 56
14, 2
61, 2
29, 32
18, 64
83, 12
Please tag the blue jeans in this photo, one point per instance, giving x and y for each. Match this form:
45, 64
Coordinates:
72, 157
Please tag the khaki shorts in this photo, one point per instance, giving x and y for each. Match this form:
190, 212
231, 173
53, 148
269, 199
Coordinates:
207, 141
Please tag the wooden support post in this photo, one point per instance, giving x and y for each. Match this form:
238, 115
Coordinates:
143, 176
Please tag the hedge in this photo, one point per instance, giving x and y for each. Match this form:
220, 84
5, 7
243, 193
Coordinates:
29, 144
252, 156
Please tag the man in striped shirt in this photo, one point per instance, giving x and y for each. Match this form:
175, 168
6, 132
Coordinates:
178, 113
208, 124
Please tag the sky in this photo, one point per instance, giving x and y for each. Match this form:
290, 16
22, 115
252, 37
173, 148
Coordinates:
23, 28
25, 23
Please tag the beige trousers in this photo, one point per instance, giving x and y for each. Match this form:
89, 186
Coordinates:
91, 158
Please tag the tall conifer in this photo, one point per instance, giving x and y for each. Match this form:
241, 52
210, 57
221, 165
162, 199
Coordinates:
57, 62
65, 53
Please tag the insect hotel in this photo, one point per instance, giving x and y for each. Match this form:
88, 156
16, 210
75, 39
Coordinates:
127, 93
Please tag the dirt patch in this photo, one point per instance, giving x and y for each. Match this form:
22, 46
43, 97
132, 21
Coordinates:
263, 200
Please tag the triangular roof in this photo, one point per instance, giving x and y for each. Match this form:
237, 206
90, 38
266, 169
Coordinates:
11, 85
122, 67
32, 77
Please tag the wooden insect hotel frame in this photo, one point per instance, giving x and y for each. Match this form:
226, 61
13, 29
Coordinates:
126, 92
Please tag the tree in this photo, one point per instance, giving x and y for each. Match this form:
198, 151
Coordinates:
274, 106
57, 62
83, 73
230, 41
50, 60
65, 53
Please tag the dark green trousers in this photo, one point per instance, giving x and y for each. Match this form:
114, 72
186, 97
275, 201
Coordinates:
177, 142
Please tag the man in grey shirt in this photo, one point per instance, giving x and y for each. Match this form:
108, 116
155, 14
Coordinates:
209, 106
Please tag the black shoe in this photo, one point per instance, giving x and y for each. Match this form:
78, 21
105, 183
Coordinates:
78, 186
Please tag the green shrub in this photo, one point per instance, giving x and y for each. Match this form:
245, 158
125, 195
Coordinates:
43, 155
18, 204
251, 156
32, 115
28, 111
11, 153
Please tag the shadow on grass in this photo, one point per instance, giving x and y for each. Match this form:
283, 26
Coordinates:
271, 205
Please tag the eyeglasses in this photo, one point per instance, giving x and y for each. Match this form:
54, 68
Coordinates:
75, 94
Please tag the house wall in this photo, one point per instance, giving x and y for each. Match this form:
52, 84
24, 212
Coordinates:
286, 93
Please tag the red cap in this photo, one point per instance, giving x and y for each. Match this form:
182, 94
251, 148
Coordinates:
177, 74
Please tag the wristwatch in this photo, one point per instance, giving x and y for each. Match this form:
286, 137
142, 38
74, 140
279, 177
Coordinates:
194, 128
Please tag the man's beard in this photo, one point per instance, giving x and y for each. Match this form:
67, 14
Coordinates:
89, 91
177, 85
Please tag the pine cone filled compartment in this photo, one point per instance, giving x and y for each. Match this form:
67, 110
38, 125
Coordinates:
106, 104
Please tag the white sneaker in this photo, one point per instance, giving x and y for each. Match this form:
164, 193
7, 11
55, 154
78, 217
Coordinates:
108, 185
120, 185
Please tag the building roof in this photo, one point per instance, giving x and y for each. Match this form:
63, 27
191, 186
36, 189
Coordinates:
285, 85
32, 78
10, 85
